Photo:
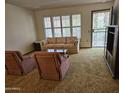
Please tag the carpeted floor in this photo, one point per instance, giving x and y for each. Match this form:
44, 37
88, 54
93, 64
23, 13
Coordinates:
88, 73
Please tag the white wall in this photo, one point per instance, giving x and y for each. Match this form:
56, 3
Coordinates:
19, 29
84, 10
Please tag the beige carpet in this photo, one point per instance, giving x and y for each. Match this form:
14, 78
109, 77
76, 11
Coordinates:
88, 73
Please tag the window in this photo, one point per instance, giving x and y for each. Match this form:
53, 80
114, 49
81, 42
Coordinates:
56, 21
47, 22
76, 31
66, 26
63, 26
65, 21
57, 26
76, 23
48, 27
48, 32
57, 32
66, 32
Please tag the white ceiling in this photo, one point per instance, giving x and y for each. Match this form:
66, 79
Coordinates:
36, 4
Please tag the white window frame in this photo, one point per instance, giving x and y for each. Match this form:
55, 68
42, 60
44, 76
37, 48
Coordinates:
71, 27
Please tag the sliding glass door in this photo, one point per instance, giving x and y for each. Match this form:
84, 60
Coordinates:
100, 19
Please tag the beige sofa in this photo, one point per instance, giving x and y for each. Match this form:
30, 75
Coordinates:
70, 43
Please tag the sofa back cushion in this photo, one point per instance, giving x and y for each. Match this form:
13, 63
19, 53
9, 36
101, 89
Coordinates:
70, 40
60, 40
51, 40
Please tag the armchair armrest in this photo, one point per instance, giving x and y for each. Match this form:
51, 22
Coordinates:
65, 63
63, 59
28, 64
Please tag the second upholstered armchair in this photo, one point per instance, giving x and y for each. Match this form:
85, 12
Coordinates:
17, 64
52, 65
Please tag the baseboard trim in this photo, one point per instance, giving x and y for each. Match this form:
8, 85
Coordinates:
29, 52
84, 47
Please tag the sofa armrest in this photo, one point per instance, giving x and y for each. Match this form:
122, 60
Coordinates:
43, 42
77, 45
76, 42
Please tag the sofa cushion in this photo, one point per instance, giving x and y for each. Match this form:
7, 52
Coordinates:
69, 46
70, 40
60, 40
55, 46
51, 40
50, 45
60, 45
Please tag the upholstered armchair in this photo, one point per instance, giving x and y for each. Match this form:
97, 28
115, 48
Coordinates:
16, 64
52, 65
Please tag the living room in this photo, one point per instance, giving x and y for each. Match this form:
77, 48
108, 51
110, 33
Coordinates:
35, 27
